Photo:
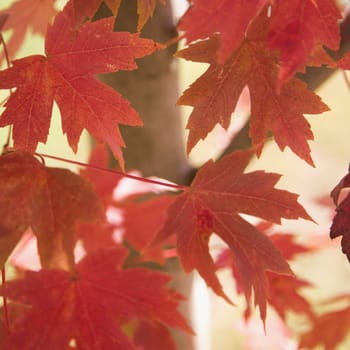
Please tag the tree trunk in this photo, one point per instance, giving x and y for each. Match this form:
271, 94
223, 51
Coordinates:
157, 148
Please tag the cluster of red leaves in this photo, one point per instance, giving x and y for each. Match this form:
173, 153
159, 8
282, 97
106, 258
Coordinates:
280, 291
270, 44
90, 301
329, 329
109, 299
219, 192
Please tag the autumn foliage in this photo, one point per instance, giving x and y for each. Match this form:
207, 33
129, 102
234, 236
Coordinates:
101, 283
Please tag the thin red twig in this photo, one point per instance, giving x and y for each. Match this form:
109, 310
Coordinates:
2, 41
116, 172
173, 40
4, 300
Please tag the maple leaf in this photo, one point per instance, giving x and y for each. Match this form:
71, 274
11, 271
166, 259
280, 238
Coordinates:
98, 174
96, 236
90, 307
87, 9
286, 244
13, 312
25, 14
341, 220
3, 19
228, 18
284, 295
141, 223
66, 74
49, 200
152, 336
283, 290
104, 180
215, 94
297, 27
328, 329
218, 194
145, 9
344, 62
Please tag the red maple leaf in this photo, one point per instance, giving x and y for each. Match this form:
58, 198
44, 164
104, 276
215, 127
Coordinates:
87, 9
297, 27
215, 94
100, 175
283, 291
104, 180
341, 220
328, 329
91, 306
49, 200
145, 9
66, 75
228, 18
96, 236
287, 245
25, 14
141, 222
153, 336
344, 62
218, 194
284, 295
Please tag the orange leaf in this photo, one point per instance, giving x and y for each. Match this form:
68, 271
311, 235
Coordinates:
219, 193
87, 9
297, 27
25, 14
153, 336
228, 18
104, 182
145, 9
328, 329
282, 291
215, 94
66, 74
142, 220
49, 200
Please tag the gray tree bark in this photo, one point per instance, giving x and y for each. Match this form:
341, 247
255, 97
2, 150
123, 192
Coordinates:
157, 148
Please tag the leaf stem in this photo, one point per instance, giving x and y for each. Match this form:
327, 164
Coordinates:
116, 172
6, 53
7, 58
4, 300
